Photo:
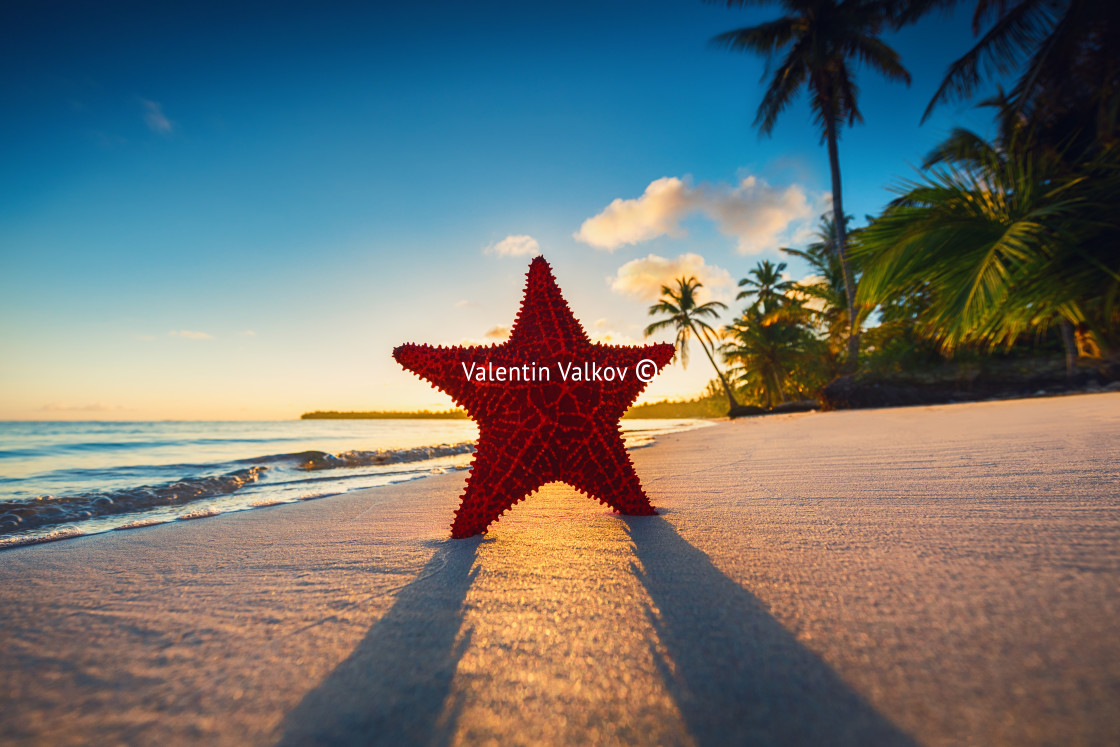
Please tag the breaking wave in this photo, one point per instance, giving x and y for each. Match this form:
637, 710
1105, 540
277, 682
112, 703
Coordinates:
49, 510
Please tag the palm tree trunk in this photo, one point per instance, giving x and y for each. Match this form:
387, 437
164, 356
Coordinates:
781, 392
1069, 342
842, 244
730, 397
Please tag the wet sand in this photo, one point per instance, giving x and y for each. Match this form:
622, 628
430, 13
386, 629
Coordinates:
927, 575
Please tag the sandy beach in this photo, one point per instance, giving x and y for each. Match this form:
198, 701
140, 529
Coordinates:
930, 575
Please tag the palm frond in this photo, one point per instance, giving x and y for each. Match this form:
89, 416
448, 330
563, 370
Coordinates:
963, 146
783, 88
1013, 35
761, 39
1000, 247
876, 54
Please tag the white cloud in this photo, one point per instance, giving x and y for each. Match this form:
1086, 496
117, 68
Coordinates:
497, 333
492, 336
463, 304
188, 334
156, 120
758, 216
641, 279
811, 302
607, 333
515, 246
658, 212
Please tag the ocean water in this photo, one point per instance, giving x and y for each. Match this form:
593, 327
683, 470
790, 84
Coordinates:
65, 479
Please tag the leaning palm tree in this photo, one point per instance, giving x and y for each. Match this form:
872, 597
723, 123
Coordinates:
687, 317
817, 40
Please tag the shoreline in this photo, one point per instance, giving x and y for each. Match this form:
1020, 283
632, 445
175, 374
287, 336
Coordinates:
195, 485
938, 574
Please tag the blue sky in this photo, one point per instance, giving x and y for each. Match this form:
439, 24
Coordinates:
236, 213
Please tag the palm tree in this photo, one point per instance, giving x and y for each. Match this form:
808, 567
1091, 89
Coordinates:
774, 356
766, 285
1061, 41
687, 316
826, 292
1069, 50
967, 149
817, 40
1010, 242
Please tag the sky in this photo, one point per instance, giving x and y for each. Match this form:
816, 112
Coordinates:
237, 210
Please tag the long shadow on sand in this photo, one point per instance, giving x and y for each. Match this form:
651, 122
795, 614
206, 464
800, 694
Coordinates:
392, 688
736, 674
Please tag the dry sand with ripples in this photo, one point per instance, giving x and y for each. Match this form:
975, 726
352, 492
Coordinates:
934, 575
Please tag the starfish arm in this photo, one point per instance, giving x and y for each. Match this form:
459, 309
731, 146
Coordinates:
620, 397
497, 482
439, 366
607, 474
544, 315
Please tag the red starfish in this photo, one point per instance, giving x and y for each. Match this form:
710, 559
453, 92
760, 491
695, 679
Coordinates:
536, 430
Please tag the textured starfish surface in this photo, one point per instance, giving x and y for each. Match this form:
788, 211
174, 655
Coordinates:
557, 421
